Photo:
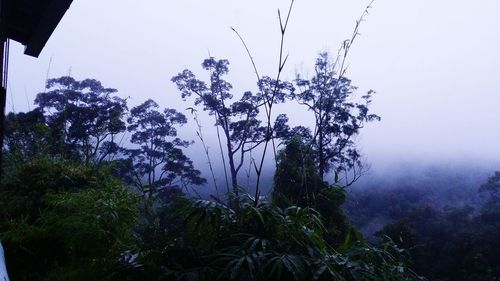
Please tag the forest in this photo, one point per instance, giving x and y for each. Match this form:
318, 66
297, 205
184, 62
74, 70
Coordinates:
95, 189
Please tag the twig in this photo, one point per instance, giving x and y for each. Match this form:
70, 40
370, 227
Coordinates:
199, 132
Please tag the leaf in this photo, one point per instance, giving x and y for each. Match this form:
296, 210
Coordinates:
235, 270
319, 272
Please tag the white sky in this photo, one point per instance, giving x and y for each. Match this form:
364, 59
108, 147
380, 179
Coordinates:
435, 64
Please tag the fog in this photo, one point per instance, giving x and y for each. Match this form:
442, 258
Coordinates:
435, 65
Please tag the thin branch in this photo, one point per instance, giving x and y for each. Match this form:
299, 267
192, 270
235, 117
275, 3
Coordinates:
205, 148
222, 156
248, 53
269, 131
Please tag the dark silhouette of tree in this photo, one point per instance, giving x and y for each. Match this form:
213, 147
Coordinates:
338, 118
298, 183
296, 180
271, 92
238, 120
26, 135
449, 244
159, 162
87, 116
492, 189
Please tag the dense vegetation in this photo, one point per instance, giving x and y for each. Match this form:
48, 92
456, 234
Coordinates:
79, 203
451, 231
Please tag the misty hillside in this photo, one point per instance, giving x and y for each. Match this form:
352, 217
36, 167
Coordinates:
378, 199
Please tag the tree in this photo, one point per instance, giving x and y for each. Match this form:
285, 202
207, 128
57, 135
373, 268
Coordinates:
492, 189
238, 120
296, 180
87, 117
449, 244
26, 135
337, 119
159, 162
298, 183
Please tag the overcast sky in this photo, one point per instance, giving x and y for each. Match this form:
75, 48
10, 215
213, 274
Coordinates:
435, 64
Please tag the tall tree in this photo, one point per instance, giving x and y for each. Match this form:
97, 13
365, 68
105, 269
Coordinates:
87, 116
238, 120
159, 162
338, 118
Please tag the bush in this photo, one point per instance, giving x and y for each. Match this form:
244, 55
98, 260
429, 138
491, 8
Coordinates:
64, 221
261, 242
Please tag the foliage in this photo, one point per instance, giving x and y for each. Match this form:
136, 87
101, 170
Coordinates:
492, 190
453, 243
159, 162
26, 135
337, 118
87, 117
63, 221
83, 121
63, 214
298, 183
25, 185
238, 120
371, 207
261, 242
296, 180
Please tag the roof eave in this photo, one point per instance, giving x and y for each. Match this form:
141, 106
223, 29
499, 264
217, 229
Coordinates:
48, 23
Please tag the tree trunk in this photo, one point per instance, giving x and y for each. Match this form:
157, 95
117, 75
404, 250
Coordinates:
321, 158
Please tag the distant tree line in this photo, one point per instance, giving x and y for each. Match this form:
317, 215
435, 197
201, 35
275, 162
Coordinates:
455, 242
